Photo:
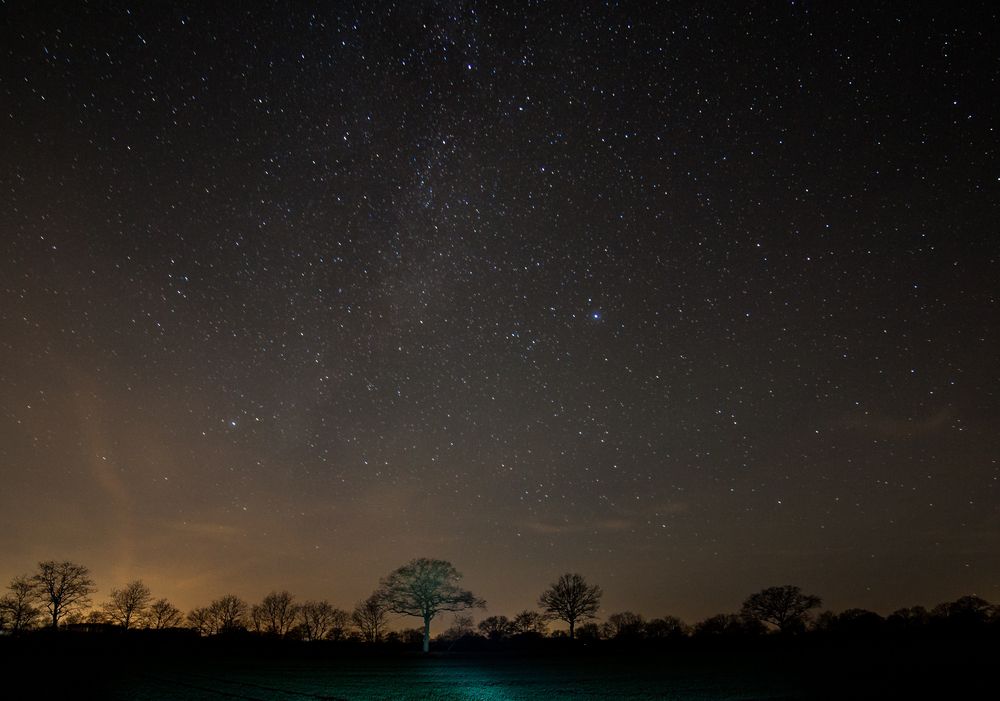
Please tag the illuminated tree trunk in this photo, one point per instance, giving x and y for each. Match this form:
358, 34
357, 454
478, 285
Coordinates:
427, 633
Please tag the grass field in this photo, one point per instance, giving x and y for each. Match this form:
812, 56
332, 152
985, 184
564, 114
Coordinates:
135, 668
451, 679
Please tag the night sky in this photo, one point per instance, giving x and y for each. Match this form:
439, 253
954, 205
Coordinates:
691, 299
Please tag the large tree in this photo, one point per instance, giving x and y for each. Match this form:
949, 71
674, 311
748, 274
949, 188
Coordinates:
786, 608
571, 599
128, 604
425, 588
370, 617
62, 588
17, 609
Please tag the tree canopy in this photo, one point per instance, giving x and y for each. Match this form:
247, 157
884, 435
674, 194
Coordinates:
571, 599
784, 607
424, 588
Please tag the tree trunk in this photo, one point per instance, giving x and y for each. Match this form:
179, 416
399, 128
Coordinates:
571, 626
427, 634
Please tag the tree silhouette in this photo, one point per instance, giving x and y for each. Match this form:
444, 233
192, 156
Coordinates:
666, 628
425, 588
786, 607
529, 622
728, 625
162, 614
496, 627
225, 614
571, 599
17, 609
370, 617
461, 626
321, 620
625, 625
276, 614
202, 621
127, 604
62, 588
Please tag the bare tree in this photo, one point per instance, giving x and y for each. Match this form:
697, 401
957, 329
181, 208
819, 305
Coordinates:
162, 614
201, 620
786, 608
571, 599
276, 614
62, 588
317, 619
17, 609
340, 625
370, 617
624, 625
666, 628
96, 617
461, 626
128, 603
496, 627
529, 622
228, 613
425, 588
728, 625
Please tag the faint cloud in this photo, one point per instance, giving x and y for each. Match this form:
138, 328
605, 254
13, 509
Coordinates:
892, 427
599, 526
219, 531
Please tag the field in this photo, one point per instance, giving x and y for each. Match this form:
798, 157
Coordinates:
127, 668
451, 679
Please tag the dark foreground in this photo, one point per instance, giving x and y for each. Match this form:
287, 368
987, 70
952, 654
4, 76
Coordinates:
82, 668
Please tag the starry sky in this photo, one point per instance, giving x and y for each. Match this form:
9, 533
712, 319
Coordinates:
692, 299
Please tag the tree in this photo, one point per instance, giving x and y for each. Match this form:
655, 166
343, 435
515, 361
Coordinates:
162, 614
62, 588
225, 614
369, 616
320, 621
666, 628
425, 588
625, 625
202, 621
529, 622
571, 599
786, 608
728, 625
340, 625
964, 611
17, 609
128, 603
96, 617
589, 631
276, 614
908, 618
229, 613
496, 627
461, 627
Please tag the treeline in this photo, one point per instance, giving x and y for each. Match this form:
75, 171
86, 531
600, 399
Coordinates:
59, 595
